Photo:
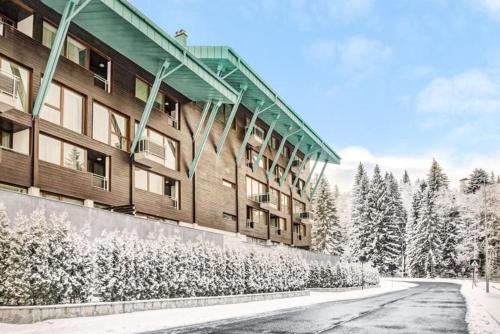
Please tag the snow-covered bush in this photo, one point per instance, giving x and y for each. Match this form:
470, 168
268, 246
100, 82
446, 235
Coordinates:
44, 261
341, 275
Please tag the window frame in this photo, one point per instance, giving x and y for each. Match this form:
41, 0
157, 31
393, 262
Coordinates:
110, 125
61, 153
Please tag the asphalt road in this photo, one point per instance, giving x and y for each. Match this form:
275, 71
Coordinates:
428, 308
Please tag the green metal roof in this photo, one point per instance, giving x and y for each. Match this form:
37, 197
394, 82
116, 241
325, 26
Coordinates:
124, 28
121, 26
237, 72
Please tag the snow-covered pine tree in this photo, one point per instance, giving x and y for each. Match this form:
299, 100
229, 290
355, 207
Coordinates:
358, 242
449, 263
414, 267
406, 178
436, 179
5, 242
396, 224
326, 234
376, 229
478, 178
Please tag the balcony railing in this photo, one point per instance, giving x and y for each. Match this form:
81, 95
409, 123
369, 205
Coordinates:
304, 217
266, 201
172, 119
102, 83
173, 201
9, 84
250, 223
148, 146
99, 181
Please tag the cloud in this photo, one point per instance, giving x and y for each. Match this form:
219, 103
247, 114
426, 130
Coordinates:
417, 165
470, 92
356, 56
490, 7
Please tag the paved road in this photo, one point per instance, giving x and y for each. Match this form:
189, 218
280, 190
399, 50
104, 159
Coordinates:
428, 308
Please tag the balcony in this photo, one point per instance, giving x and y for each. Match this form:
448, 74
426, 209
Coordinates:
9, 92
98, 181
267, 201
149, 151
304, 217
250, 223
256, 137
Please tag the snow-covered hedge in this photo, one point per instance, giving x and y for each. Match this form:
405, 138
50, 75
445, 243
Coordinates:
44, 261
341, 275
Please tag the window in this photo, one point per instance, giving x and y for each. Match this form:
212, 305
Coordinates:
274, 196
62, 198
109, 127
157, 184
5, 139
278, 223
252, 157
286, 152
60, 153
274, 143
255, 188
300, 186
162, 101
256, 216
298, 207
228, 184
63, 107
49, 149
14, 85
73, 157
285, 204
224, 113
76, 52
229, 217
82, 55
278, 172
48, 34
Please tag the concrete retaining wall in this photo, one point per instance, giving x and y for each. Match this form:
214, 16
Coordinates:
30, 314
96, 221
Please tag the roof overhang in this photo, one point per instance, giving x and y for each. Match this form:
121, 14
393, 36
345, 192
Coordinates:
124, 28
237, 73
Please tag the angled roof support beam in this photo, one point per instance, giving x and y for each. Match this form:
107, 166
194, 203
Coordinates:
280, 149
161, 75
72, 8
303, 164
309, 177
313, 191
250, 127
229, 121
204, 113
266, 141
201, 146
290, 161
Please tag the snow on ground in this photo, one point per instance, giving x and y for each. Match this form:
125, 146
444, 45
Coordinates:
160, 319
483, 309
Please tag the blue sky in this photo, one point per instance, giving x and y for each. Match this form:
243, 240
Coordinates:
389, 82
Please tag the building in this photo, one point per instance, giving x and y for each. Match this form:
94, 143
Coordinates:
100, 107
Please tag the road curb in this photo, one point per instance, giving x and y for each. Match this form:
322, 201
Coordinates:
31, 314
351, 288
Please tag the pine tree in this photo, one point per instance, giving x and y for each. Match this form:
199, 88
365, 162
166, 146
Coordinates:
396, 224
436, 179
414, 266
406, 178
376, 229
449, 263
326, 231
478, 178
360, 214
5, 243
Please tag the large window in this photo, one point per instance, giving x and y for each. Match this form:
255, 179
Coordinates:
60, 153
255, 188
298, 207
278, 172
256, 216
157, 184
63, 107
109, 127
48, 34
14, 85
278, 223
285, 204
76, 52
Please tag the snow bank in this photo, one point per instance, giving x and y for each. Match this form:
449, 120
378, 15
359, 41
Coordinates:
162, 319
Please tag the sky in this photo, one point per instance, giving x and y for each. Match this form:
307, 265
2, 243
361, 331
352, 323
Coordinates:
396, 83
